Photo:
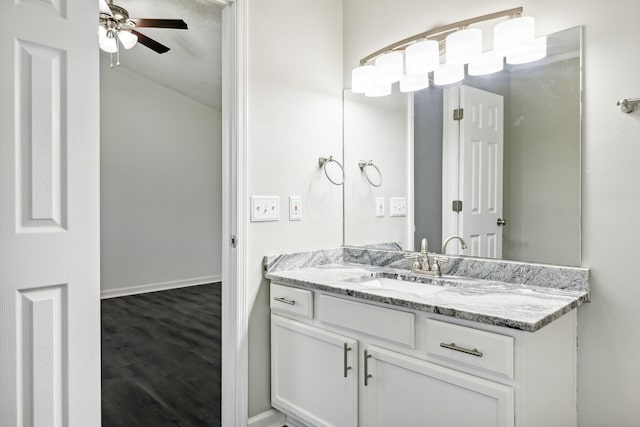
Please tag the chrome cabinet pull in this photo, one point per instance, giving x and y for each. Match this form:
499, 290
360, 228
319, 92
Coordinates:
367, 375
284, 300
453, 346
346, 368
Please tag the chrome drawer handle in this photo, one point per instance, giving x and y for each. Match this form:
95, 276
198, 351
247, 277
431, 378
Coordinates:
453, 346
284, 300
346, 349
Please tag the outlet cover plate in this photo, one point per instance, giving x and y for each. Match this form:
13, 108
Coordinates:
265, 208
295, 208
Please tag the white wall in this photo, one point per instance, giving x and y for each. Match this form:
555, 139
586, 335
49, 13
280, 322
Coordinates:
161, 186
294, 117
608, 376
375, 129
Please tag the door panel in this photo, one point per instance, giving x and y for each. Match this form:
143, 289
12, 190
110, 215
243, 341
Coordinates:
481, 157
49, 214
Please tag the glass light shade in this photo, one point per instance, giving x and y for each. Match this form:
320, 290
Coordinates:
379, 89
514, 35
537, 52
448, 73
488, 63
422, 57
127, 38
108, 44
464, 46
390, 67
362, 78
414, 82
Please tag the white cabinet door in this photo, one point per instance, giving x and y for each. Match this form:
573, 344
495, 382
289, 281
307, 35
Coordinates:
314, 373
404, 391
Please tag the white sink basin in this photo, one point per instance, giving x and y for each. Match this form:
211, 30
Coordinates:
395, 286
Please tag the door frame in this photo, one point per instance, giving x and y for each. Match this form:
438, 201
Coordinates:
235, 307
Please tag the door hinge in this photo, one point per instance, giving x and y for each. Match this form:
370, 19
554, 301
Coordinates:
234, 241
457, 206
458, 114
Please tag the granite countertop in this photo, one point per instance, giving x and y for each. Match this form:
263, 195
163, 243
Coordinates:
519, 306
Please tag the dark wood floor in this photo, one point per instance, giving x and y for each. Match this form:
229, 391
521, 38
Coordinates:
161, 358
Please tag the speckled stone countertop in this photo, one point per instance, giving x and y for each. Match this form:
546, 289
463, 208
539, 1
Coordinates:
514, 301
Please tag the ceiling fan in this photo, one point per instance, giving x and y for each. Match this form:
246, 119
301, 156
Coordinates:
117, 28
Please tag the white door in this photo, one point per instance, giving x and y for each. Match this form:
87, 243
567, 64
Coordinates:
481, 153
404, 391
49, 214
314, 373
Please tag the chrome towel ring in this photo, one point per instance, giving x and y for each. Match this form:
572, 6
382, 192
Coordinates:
323, 161
363, 167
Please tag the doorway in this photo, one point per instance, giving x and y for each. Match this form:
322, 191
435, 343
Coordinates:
161, 221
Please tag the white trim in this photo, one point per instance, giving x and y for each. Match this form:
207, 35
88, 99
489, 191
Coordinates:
273, 418
160, 286
411, 194
235, 311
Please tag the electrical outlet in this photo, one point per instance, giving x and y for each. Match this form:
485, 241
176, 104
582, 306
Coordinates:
295, 208
265, 208
379, 207
398, 206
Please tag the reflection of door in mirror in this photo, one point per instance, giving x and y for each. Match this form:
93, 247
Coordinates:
473, 146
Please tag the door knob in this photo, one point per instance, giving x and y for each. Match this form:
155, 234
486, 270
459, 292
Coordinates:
501, 222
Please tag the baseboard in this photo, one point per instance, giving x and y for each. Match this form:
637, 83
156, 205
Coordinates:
273, 418
162, 286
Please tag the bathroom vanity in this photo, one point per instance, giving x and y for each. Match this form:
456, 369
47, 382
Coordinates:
358, 340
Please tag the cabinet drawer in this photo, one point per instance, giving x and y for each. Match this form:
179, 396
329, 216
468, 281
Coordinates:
285, 299
387, 324
481, 349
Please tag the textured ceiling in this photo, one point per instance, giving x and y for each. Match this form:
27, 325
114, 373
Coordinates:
193, 65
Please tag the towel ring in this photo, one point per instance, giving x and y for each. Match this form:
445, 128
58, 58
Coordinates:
323, 161
363, 167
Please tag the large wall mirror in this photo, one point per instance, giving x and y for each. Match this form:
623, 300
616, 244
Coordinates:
505, 178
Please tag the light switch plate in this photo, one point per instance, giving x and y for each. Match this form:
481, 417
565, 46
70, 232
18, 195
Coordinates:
265, 208
295, 208
379, 207
398, 206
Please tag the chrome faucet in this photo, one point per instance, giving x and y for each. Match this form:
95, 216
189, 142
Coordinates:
423, 266
463, 245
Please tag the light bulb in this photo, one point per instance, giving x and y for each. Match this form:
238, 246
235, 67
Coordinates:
422, 57
463, 46
390, 67
535, 53
362, 78
414, 82
448, 74
488, 63
514, 36
127, 38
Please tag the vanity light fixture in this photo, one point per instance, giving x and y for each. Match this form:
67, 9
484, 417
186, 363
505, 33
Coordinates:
458, 45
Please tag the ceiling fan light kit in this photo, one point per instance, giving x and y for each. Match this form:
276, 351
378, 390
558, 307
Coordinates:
116, 28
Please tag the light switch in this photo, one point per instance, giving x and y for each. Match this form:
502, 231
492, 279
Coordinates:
398, 206
379, 207
295, 208
265, 208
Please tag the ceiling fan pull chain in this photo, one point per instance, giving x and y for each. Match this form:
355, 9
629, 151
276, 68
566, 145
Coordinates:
111, 58
117, 50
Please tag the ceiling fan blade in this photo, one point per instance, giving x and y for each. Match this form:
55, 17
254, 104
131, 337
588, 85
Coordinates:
104, 7
150, 43
178, 24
